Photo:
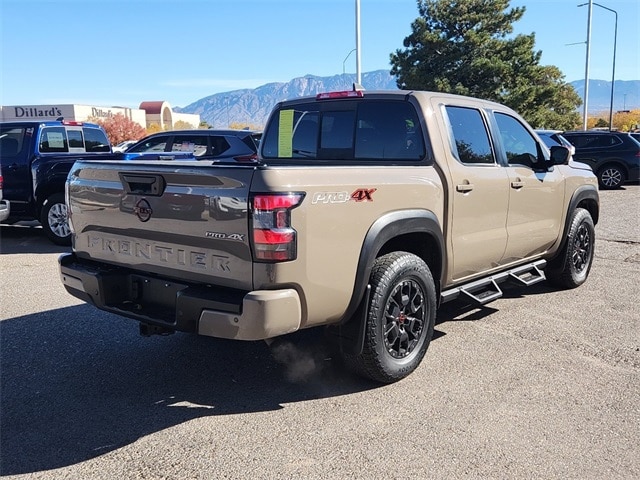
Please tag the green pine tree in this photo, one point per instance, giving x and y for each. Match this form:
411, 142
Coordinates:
467, 47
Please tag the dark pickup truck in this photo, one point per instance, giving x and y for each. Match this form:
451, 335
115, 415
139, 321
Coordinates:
36, 158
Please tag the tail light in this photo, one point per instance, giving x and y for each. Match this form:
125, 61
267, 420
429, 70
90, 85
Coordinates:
1, 181
246, 158
342, 94
274, 240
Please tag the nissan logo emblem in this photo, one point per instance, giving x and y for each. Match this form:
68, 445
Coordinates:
143, 210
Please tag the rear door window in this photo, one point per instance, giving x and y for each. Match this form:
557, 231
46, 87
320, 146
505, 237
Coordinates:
608, 141
11, 141
471, 144
196, 144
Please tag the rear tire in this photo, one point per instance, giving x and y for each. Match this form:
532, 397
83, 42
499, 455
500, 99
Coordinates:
571, 268
55, 221
610, 177
400, 318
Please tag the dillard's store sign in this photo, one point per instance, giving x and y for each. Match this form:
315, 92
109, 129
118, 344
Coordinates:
54, 112
31, 112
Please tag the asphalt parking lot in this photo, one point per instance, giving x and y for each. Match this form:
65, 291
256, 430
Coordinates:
538, 384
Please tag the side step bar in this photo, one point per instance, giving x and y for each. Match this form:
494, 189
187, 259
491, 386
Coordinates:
487, 290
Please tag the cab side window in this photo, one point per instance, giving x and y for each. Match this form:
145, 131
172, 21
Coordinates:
471, 139
520, 147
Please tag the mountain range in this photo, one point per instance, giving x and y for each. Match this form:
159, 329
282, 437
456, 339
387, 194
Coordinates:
252, 106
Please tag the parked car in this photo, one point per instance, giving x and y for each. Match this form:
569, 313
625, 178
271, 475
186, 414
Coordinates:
123, 146
552, 138
36, 157
613, 156
239, 145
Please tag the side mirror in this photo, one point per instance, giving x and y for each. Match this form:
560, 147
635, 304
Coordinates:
560, 155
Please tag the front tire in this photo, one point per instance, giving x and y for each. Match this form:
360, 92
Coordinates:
571, 268
55, 221
400, 318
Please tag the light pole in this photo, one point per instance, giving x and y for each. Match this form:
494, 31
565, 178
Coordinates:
345, 59
585, 109
358, 51
613, 70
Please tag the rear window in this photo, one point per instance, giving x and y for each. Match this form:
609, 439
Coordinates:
345, 130
53, 139
63, 140
95, 140
76, 140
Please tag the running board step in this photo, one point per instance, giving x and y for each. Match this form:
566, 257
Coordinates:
527, 275
483, 293
486, 289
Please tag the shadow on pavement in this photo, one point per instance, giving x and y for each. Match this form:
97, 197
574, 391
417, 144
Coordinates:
77, 383
26, 237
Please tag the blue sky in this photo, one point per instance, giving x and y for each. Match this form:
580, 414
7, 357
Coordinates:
123, 52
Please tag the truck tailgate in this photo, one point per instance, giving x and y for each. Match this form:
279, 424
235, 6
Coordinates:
184, 220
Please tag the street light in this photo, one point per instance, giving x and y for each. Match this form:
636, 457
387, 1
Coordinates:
345, 59
613, 73
358, 50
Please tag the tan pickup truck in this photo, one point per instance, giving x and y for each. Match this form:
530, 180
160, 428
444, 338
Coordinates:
363, 213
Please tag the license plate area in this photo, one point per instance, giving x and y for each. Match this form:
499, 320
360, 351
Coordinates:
152, 298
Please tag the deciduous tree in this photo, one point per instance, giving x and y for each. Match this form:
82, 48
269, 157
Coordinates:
153, 128
120, 128
182, 125
244, 126
467, 47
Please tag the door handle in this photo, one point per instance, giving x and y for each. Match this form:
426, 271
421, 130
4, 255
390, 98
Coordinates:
152, 185
517, 184
464, 187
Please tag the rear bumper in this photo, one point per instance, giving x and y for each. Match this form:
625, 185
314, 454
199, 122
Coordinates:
5, 209
205, 310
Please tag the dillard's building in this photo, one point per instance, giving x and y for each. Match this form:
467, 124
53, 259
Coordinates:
147, 114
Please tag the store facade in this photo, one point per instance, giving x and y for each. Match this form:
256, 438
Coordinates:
149, 113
